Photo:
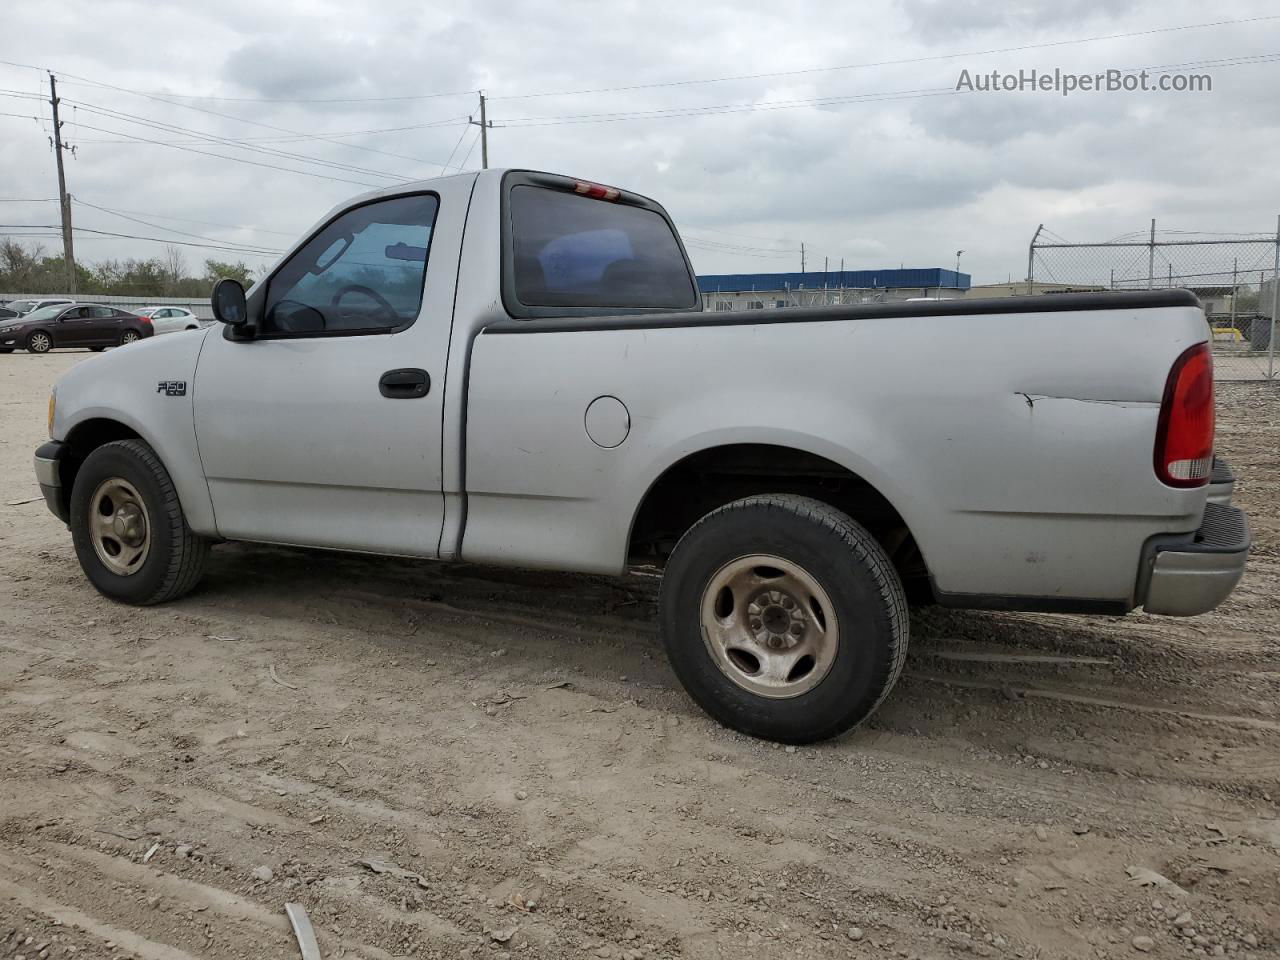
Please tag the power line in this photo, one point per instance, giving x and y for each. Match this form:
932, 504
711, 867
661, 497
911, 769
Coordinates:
735, 247
220, 140
759, 256
157, 226
716, 109
469, 149
1049, 44
445, 165
25, 116
234, 248
676, 113
207, 223
231, 116
744, 236
223, 156
450, 122
406, 97
888, 63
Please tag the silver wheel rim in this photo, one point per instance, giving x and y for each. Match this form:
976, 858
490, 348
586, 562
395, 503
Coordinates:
39, 343
769, 626
119, 526
129, 337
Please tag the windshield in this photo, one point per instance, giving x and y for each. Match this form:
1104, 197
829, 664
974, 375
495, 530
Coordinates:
45, 313
21, 306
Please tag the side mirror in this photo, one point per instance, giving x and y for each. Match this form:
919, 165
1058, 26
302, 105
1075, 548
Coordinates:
228, 302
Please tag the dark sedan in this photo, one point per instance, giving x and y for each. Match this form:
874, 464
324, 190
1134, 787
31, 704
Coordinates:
79, 325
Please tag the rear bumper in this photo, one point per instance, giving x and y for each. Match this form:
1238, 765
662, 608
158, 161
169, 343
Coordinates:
1188, 574
48, 466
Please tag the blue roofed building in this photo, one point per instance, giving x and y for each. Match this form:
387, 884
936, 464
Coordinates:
763, 291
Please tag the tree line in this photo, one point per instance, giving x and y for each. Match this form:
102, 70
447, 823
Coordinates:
29, 269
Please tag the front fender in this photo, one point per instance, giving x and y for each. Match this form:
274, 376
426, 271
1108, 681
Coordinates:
148, 387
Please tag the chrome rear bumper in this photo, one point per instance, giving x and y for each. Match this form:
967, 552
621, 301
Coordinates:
1191, 573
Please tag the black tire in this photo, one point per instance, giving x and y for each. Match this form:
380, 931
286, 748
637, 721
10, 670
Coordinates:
861, 585
129, 336
39, 341
6, 349
97, 349
176, 556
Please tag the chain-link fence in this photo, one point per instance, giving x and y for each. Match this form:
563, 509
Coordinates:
1234, 275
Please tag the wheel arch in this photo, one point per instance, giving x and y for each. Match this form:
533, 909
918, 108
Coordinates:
81, 440
31, 333
706, 479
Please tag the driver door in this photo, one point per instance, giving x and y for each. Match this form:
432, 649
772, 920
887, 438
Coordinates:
310, 431
75, 328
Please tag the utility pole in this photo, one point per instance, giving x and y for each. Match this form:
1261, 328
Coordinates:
485, 126
64, 201
802, 256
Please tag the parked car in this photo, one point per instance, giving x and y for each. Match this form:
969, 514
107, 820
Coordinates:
172, 319
509, 367
6, 313
89, 325
23, 307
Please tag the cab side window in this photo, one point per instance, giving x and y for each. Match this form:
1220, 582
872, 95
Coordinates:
101, 313
362, 273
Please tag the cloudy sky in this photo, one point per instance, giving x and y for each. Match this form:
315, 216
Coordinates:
758, 125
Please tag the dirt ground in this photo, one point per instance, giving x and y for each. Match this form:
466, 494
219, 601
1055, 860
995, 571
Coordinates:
454, 761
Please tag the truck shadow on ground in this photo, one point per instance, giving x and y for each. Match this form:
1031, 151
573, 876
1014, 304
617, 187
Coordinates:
970, 676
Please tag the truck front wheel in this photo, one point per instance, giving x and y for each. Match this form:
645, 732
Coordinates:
783, 618
130, 536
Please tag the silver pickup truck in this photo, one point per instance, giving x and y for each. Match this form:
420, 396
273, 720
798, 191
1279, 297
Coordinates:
511, 367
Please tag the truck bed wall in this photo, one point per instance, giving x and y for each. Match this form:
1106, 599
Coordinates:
1017, 446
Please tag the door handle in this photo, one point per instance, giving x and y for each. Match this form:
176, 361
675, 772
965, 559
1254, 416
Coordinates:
405, 384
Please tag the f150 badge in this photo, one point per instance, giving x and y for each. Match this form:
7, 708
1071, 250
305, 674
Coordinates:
172, 388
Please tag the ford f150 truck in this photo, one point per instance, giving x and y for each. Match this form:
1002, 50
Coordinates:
512, 367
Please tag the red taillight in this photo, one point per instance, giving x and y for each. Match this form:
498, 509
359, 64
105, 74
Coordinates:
595, 190
1184, 437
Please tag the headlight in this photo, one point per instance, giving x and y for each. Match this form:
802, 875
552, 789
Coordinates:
53, 399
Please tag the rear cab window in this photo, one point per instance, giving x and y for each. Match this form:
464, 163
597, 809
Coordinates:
576, 249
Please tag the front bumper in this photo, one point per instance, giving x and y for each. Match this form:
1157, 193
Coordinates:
1190, 573
48, 464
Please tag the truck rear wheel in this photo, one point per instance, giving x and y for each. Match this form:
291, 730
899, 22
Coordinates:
783, 618
130, 536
